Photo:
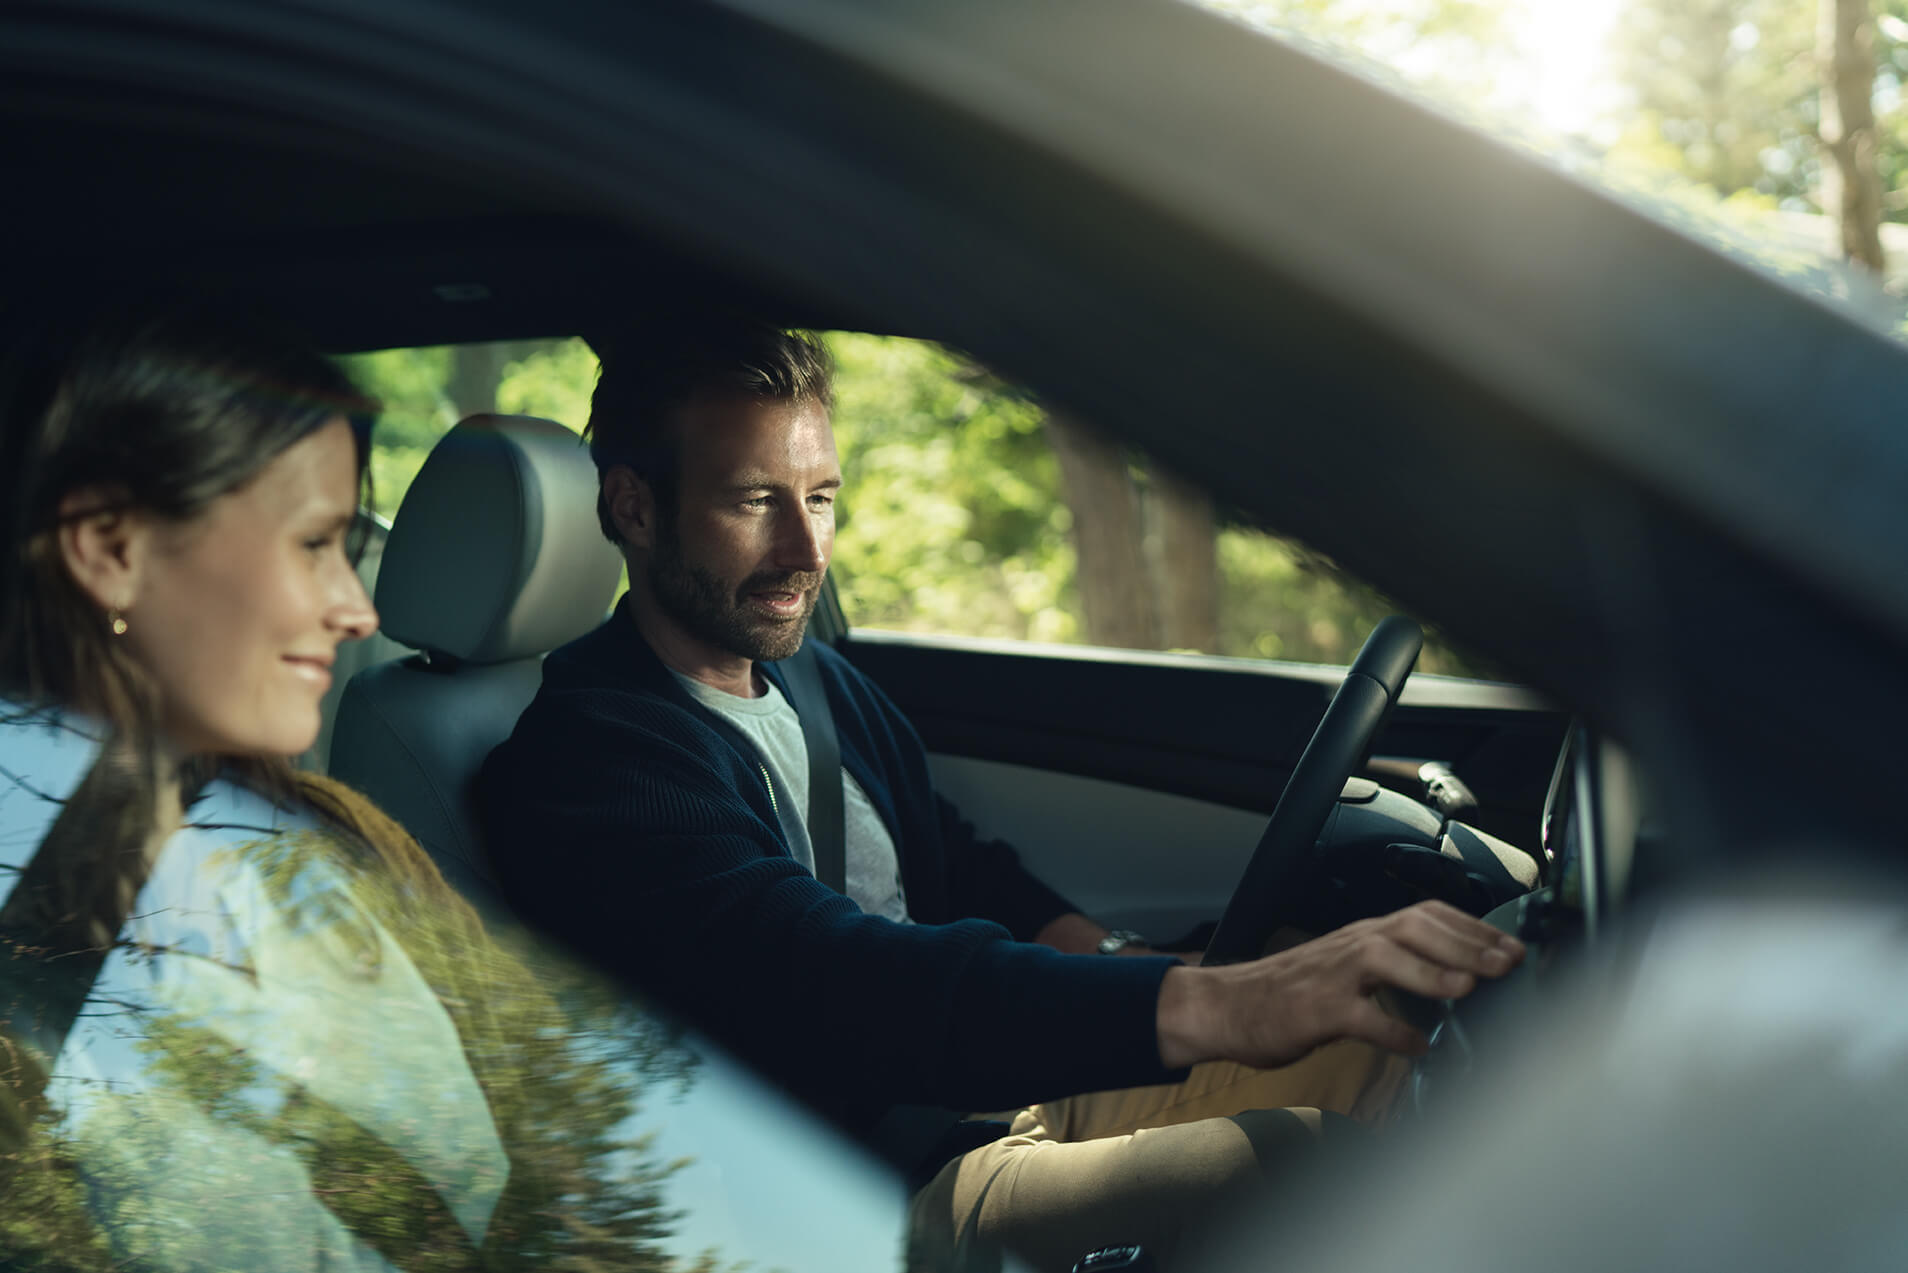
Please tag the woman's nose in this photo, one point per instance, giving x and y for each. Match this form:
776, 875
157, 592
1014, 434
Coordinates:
353, 617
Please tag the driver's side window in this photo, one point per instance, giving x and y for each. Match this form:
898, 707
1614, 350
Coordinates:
971, 510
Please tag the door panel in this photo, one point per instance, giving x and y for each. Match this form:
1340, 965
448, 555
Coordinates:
1103, 844
1138, 783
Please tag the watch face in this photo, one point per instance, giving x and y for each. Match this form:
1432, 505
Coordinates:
1119, 939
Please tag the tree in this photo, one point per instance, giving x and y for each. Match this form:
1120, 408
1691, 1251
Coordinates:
1851, 184
1725, 92
1761, 98
427, 390
206, 1153
1147, 547
1118, 598
1186, 563
967, 510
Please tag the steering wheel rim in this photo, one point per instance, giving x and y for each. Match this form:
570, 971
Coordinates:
1288, 847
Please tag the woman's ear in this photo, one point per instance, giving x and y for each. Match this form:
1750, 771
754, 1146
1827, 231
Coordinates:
632, 506
105, 547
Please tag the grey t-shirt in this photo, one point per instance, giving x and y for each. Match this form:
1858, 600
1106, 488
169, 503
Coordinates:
873, 870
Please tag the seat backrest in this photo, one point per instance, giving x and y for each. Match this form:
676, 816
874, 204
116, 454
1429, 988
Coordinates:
493, 560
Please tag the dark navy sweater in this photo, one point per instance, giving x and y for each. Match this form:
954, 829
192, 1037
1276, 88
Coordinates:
635, 823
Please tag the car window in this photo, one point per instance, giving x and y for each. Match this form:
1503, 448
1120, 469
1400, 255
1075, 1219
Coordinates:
427, 390
352, 1079
970, 510
424, 392
1719, 118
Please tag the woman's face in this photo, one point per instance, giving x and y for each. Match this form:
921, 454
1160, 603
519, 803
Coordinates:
238, 613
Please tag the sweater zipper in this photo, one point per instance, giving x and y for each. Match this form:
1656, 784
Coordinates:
770, 784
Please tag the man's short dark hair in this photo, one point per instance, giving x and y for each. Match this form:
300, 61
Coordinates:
645, 378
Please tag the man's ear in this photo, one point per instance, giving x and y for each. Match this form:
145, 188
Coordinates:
632, 506
105, 547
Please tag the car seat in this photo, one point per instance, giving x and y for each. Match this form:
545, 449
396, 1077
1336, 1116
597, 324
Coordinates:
494, 559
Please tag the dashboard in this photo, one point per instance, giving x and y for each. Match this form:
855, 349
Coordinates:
1588, 840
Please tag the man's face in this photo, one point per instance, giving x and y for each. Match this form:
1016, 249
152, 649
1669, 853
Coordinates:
739, 567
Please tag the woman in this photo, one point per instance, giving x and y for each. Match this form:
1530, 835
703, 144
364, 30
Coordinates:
241, 1015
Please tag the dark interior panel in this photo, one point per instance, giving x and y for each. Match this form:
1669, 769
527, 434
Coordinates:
1194, 727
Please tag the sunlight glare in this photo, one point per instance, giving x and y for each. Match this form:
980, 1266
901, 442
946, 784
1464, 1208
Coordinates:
1563, 78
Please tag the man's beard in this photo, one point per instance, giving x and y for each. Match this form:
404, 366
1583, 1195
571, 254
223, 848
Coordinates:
713, 612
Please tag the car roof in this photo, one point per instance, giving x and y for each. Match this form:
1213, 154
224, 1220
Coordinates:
1621, 464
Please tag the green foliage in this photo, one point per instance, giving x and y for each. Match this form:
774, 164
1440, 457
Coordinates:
1280, 601
410, 383
553, 381
1703, 113
951, 518
1727, 92
393, 469
214, 1157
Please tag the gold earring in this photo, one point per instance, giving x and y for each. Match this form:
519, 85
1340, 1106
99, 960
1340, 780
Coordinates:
116, 621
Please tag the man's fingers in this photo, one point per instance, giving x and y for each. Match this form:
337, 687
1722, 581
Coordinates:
1448, 936
1367, 1021
1383, 961
1278, 1008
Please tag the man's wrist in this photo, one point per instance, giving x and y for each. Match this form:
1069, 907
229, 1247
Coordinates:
1182, 1016
1123, 941
1071, 934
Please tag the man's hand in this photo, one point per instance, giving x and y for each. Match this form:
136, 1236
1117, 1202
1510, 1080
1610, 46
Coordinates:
1275, 1010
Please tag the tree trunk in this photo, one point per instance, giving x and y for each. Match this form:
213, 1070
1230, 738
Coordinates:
1116, 596
474, 373
1186, 565
1851, 183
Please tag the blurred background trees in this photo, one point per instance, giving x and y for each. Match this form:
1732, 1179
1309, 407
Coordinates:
968, 509
1772, 127
1777, 115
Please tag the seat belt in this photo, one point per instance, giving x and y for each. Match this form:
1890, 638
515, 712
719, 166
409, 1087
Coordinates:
826, 833
918, 1139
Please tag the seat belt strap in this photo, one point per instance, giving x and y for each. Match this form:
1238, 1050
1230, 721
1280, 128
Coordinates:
826, 833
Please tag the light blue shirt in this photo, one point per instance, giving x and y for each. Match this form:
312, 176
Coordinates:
872, 869
248, 945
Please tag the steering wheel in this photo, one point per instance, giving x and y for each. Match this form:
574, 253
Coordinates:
1288, 850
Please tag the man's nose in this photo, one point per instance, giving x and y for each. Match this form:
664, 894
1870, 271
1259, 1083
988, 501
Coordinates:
802, 542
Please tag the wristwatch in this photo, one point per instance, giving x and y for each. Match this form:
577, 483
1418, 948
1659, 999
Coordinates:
1119, 939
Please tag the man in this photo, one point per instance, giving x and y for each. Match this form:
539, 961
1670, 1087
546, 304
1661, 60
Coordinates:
658, 785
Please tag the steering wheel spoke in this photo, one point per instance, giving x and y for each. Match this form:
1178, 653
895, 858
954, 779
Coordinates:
1286, 852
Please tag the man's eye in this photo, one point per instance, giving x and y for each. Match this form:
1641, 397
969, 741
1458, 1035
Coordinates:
758, 501
820, 501
320, 543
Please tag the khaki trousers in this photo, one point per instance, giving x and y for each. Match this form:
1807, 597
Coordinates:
1146, 1165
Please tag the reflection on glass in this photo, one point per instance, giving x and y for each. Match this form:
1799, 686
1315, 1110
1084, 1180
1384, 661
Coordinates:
280, 1059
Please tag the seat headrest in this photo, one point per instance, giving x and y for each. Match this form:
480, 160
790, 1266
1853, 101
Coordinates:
495, 553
